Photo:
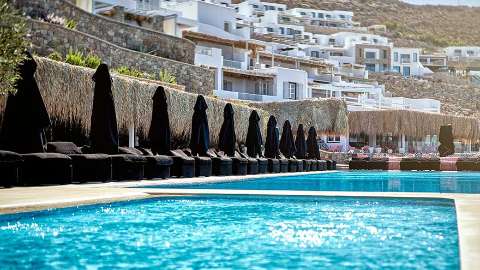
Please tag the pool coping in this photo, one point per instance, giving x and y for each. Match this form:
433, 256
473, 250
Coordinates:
26, 199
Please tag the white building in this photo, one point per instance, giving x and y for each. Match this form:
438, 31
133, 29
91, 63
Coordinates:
256, 8
335, 18
406, 62
462, 52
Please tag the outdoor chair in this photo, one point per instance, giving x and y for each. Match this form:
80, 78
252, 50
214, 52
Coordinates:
183, 165
46, 168
203, 165
252, 165
129, 164
468, 164
10, 164
307, 164
85, 167
158, 166
273, 165
221, 166
239, 164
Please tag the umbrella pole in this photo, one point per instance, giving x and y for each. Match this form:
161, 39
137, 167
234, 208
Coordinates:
131, 135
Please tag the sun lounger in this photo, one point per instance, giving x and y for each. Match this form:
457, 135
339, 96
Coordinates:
273, 165
468, 164
10, 164
203, 165
358, 164
412, 164
221, 166
322, 165
183, 165
239, 164
307, 164
158, 166
86, 167
252, 165
46, 168
284, 165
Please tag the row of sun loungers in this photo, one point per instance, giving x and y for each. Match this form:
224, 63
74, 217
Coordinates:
417, 164
65, 163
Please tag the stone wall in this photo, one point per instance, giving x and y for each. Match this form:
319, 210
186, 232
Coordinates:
47, 37
457, 96
121, 34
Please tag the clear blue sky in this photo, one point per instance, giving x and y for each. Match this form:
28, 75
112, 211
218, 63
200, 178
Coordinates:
445, 2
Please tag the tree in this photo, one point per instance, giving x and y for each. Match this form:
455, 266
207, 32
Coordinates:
12, 46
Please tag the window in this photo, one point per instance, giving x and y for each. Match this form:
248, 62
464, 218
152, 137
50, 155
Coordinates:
342, 16
364, 38
265, 88
336, 54
270, 29
370, 67
313, 14
328, 16
406, 71
303, 13
227, 85
226, 27
331, 41
395, 57
385, 54
470, 53
370, 55
315, 54
292, 90
396, 69
375, 40
255, 6
405, 58
282, 31
320, 15
333, 139
280, 9
298, 32
415, 56
457, 52
290, 31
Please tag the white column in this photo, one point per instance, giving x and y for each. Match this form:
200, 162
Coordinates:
131, 136
372, 140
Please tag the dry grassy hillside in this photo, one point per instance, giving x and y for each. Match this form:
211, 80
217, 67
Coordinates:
409, 25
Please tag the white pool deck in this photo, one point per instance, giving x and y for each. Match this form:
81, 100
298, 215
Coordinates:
24, 199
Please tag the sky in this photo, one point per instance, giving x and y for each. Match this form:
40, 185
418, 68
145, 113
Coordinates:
445, 2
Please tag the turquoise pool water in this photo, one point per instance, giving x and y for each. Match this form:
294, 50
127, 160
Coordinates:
236, 233
437, 182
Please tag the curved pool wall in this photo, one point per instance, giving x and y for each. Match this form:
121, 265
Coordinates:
361, 181
239, 232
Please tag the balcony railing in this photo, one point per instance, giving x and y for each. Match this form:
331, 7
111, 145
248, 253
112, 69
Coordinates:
232, 64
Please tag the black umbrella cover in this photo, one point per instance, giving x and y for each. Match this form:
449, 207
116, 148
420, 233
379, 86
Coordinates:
254, 136
159, 133
200, 138
287, 144
227, 137
445, 138
272, 140
103, 131
25, 118
313, 150
300, 144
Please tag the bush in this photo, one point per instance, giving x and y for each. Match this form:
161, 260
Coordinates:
12, 48
70, 24
75, 58
92, 61
123, 70
166, 76
55, 56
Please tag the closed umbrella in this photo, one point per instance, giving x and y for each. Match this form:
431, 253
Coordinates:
25, 118
254, 136
445, 138
103, 131
227, 137
272, 140
159, 134
200, 137
300, 144
313, 150
287, 144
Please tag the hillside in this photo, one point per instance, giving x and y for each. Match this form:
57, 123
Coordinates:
409, 25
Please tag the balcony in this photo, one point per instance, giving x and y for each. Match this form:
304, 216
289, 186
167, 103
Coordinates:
244, 96
232, 64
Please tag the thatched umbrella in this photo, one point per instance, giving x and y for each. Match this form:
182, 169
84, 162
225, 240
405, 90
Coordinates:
446, 147
104, 130
200, 137
272, 140
313, 151
254, 136
227, 137
300, 143
287, 144
159, 134
25, 118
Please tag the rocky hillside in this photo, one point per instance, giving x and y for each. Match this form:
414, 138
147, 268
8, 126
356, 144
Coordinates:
409, 25
457, 96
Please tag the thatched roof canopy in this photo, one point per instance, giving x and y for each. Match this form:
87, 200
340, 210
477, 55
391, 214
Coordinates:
68, 94
411, 123
326, 115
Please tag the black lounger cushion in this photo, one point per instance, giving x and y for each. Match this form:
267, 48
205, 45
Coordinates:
91, 167
128, 167
158, 167
66, 148
183, 165
46, 168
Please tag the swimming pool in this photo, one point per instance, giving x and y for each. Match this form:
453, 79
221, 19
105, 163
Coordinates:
243, 232
366, 181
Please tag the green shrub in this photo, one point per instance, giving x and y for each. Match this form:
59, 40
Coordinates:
70, 24
75, 58
92, 61
166, 76
55, 56
12, 46
133, 72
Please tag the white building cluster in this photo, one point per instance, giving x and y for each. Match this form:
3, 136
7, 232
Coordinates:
266, 52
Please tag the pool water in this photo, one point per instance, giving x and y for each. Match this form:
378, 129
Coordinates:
244, 232
366, 181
